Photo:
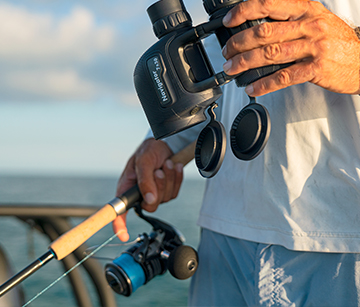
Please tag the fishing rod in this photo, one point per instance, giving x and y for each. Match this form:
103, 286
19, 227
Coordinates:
71, 240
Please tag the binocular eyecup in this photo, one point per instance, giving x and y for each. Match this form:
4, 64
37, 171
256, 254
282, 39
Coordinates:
167, 16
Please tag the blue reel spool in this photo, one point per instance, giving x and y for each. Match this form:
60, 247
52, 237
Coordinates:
131, 271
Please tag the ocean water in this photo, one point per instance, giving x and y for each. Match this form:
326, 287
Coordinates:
23, 244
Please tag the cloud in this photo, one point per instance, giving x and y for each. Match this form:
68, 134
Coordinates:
66, 50
37, 37
41, 55
60, 84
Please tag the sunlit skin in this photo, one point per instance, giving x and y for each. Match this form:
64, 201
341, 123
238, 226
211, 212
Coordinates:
159, 180
325, 48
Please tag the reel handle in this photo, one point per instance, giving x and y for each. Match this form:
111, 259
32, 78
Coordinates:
183, 262
76, 236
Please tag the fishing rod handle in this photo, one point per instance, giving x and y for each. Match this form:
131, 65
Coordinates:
76, 236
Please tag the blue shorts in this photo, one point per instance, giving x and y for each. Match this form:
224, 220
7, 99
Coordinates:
235, 272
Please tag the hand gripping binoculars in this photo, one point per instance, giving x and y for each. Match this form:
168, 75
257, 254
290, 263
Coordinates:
176, 83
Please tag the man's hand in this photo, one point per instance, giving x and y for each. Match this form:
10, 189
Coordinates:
159, 180
326, 50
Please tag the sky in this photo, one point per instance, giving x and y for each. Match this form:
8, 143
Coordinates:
67, 101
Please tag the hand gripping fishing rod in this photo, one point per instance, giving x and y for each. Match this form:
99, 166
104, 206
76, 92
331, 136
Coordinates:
71, 240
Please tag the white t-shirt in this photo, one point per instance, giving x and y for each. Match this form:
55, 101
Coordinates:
303, 190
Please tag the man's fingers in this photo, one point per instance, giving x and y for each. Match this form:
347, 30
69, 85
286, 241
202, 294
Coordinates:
168, 182
295, 74
149, 159
178, 179
307, 34
257, 9
262, 35
128, 177
119, 227
271, 54
146, 182
155, 175
169, 171
160, 182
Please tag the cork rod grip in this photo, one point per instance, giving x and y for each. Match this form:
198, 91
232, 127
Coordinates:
76, 236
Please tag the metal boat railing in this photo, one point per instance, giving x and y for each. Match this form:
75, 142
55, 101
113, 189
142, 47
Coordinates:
53, 221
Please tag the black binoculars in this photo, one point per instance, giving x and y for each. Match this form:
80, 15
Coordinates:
176, 82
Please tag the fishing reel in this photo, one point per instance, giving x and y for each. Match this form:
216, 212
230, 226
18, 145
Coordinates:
176, 83
152, 254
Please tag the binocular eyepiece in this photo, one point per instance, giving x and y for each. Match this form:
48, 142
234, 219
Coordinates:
167, 16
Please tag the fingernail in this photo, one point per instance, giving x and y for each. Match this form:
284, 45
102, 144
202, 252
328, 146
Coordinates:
149, 198
169, 164
224, 51
123, 235
160, 174
227, 65
227, 18
179, 167
249, 89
